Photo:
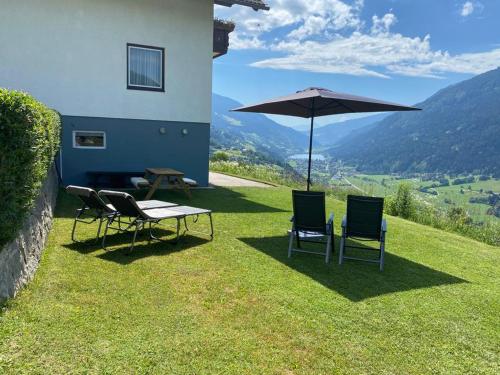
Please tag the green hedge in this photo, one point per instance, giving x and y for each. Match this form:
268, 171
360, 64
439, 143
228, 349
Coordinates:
29, 140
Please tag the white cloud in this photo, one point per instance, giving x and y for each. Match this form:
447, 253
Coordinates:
329, 37
467, 9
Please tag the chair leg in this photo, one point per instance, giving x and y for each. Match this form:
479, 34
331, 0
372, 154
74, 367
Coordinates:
297, 236
101, 219
341, 251
108, 223
73, 231
79, 213
137, 226
328, 249
211, 227
290, 244
382, 254
333, 239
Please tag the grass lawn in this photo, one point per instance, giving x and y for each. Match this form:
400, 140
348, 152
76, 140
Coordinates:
239, 305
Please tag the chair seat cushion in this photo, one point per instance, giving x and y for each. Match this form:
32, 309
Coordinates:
310, 235
147, 205
163, 213
188, 210
139, 182
190, 181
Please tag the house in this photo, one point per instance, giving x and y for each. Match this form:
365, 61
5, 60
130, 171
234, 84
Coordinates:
131, 79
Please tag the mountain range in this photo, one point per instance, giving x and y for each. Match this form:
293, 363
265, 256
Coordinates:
457, 131
332, 134
252, 131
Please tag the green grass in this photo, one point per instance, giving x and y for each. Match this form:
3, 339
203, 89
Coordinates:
239, 305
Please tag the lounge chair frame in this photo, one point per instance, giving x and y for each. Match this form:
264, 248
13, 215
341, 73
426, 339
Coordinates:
93, 209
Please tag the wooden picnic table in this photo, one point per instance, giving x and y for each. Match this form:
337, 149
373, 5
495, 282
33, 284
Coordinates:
175, 180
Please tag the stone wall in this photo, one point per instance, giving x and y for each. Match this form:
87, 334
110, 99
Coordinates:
19, 258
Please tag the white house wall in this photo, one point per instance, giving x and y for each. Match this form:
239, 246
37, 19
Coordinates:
71, 55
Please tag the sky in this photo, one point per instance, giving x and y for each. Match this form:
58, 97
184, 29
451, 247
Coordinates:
396, 50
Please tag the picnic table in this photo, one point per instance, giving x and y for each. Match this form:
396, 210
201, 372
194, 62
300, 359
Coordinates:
174, 178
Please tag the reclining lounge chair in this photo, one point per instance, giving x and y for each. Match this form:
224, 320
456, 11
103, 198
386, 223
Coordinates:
126, 205
95, 209
364, 222
309, 223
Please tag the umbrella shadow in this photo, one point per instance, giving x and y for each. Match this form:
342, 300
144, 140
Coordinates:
356, 281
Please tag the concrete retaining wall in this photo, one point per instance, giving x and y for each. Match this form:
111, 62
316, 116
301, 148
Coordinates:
19, 258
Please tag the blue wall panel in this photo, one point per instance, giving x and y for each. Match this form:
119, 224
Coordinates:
134, 145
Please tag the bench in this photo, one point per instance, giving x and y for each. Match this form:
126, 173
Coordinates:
99, 179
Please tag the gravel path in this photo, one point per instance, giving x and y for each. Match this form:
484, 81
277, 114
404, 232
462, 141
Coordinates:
219, 179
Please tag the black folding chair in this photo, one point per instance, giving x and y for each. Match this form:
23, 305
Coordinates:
364, 222
94, 209
126, 206
309, 223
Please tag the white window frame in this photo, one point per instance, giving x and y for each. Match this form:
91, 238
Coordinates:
131, 86
103, 147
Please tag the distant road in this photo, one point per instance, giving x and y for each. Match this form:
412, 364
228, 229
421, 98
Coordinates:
354, 186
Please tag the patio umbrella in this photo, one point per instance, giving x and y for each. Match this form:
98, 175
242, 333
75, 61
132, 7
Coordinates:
314, 102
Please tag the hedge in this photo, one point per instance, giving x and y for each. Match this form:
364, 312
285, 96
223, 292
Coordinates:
29, 140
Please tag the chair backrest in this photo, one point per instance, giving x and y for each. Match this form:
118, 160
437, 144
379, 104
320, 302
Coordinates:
364, 217
124, 203
89, 197
309, 211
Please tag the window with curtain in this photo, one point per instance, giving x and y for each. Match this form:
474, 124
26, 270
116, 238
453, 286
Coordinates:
145, 67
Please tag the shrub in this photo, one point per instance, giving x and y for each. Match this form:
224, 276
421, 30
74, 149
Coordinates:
220, 156
29, 140
403, 203
459, 216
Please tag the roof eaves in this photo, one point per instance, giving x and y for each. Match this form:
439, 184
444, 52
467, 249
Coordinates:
255, 4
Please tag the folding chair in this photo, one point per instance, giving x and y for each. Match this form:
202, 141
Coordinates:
95, 209
364, 222
126, 205
309, 223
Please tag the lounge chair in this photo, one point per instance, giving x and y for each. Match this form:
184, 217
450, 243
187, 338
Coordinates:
95, 209
309, 223
126, 205
364, 222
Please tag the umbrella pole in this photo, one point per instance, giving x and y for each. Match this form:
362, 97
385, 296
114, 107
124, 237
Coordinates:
310, 150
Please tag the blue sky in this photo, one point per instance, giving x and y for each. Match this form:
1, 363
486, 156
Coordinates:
397, 50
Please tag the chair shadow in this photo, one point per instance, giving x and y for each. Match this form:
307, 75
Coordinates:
119, 244
113, 238
143, 250
356, 281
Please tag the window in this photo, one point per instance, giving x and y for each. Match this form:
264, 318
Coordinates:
145, 68
89, 139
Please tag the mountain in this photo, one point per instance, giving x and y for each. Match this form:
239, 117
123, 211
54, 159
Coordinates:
332, 134
252, 131
457, 131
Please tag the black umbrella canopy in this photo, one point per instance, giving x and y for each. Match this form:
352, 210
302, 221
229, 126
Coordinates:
315, 101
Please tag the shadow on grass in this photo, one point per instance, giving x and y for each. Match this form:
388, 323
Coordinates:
355, 280
218, 200
119, 243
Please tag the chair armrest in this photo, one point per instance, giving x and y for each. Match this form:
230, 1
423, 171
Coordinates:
330, 219
344, 221
384, 225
